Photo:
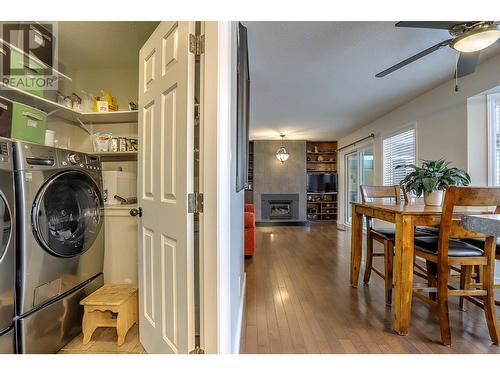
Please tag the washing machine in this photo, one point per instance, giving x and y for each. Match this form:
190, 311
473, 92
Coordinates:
60, 243
7, 248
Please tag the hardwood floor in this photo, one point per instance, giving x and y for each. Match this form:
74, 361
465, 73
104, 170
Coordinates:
298, 300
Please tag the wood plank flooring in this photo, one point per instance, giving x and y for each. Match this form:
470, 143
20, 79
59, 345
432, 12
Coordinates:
298, 300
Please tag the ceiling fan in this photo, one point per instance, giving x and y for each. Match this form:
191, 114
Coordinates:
468, 38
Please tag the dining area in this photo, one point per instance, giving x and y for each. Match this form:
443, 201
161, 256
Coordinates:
431, 252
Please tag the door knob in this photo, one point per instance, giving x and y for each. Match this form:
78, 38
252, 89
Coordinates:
136, 212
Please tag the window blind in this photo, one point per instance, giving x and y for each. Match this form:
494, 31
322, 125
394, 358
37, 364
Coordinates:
398, 149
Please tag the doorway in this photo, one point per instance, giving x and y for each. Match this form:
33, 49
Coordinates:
359, 171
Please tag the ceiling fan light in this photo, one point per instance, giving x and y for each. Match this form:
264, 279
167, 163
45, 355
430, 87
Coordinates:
476, 41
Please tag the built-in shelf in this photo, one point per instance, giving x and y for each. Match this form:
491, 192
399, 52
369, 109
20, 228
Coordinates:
109, 117
118, 155
59, 110
330, 193
321, 162
321, 171
322, 153
321, 206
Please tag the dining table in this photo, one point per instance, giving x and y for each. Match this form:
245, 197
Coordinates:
487, 224
405, 217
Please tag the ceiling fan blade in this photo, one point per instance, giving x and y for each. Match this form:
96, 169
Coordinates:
413, 58
445, 25
467, 63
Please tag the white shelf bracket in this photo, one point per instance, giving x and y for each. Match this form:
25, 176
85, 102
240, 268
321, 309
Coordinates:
83, 126
52, 112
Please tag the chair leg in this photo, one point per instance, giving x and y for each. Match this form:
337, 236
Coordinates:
444, 318
388, 270
369, 256
488, 284
465, 279
431, 278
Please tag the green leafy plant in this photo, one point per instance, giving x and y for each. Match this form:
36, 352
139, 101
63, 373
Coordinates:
433, 175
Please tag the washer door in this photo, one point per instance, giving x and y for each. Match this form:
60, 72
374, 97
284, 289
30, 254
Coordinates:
5, 226
67, 214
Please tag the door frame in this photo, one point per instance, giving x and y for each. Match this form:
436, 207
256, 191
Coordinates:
215, 183
343, 200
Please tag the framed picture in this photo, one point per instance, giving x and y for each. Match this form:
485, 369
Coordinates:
243, 109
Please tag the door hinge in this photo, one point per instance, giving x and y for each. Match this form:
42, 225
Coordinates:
197, 44
195, 203
197, 350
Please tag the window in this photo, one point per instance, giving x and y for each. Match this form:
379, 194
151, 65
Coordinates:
494, 139
398, 149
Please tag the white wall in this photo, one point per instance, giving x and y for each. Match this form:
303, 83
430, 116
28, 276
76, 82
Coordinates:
441, 118
120, 82
477, 136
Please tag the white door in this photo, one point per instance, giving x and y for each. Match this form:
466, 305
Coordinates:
165, 177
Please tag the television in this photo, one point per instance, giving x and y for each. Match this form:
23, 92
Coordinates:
322, 182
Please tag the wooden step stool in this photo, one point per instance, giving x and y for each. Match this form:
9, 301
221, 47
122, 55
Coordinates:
113, 305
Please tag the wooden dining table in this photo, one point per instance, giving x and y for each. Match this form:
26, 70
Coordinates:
405, 217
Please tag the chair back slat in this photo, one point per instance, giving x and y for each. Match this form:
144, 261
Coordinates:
462, 196
475, 196
374, 192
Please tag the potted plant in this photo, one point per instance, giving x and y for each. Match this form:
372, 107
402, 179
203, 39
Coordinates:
432, 179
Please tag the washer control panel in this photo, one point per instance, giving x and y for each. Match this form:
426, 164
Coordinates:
74, 159
5, 155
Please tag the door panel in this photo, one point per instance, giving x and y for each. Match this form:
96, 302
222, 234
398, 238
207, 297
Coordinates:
168, 130
165, 177
148, 151
169, 288
352, 182
170, 46
148, 276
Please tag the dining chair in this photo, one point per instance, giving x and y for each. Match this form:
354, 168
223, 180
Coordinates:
385, 236
474, 275
449, 250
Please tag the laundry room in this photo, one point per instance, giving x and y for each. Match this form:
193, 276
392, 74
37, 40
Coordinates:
71, 154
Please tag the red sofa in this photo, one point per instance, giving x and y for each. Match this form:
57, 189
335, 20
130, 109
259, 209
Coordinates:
249, 230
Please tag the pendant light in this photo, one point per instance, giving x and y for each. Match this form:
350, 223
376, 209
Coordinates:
282, 154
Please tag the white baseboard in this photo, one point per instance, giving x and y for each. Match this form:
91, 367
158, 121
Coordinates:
237, 336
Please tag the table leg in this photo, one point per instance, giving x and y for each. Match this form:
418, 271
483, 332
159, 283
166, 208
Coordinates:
403, 273
356, 243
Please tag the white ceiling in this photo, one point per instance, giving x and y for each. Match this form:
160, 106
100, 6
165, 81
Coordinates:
102, 44
316, 80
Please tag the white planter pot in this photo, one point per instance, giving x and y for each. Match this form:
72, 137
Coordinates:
434, 199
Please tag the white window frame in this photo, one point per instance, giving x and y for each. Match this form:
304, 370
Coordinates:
492, 162
403, 129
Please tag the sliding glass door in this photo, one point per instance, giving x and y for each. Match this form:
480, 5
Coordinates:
359, 171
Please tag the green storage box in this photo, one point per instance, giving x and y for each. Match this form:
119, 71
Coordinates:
24, 72
28, 123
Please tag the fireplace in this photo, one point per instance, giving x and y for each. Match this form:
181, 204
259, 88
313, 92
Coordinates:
280, 207
280, 210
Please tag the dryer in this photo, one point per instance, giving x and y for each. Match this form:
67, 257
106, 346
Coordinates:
7, 248
60, 243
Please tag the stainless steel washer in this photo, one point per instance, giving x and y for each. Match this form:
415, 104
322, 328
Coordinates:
60, 242
7, 248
